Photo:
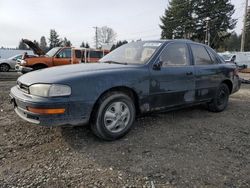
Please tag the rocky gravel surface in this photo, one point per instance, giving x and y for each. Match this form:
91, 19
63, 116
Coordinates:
185, 148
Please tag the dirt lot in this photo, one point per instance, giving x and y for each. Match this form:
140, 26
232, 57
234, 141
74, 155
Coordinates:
185, 148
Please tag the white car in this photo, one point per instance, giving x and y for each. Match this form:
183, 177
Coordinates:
7, 64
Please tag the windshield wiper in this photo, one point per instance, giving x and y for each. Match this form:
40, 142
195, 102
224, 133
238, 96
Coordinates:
115, 62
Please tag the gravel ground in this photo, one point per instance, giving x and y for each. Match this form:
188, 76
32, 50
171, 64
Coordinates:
185, 148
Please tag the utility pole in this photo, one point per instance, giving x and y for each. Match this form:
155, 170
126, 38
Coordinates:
96, 37
207, 37
244, 29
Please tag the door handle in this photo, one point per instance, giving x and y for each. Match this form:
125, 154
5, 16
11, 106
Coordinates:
189, 73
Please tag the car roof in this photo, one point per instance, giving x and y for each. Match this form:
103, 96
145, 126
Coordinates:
175, 40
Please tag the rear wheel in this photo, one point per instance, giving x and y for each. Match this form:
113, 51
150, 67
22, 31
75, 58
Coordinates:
114, 116
220, 102
4, 67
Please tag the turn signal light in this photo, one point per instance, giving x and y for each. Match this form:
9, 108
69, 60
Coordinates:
46, 110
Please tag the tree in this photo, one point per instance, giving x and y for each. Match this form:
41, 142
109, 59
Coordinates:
177, 21
43, 44
66, 43
54, 39
105, 35
232, 43
22, 46
36, 43
247, 39
186, 19
118, 44
82, 45
220, 13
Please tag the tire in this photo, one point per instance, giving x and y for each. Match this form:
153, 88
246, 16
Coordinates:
114, 116
4, 67
220, 102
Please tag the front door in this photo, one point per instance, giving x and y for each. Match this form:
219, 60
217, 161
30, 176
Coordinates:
63, 57
173, 84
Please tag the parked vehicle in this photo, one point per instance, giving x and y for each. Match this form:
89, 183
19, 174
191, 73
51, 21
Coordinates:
57, 56
241, 59
8, 64
136, 78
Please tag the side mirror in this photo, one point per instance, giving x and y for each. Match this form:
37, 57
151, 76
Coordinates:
157, 65
58, 56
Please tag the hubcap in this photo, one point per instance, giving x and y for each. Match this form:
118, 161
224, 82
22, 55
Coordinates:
116, 117
222, 97
4, 68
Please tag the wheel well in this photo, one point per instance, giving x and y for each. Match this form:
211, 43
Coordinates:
229, 85
40, 64
130, 92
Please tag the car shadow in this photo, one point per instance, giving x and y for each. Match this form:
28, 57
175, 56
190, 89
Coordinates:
152, 138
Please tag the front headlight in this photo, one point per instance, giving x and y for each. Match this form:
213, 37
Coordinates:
23, 62
50, 90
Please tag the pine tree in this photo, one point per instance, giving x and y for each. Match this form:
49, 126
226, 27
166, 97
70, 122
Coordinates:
36, 43
247, 39
220, 13
66, 43
22, 46
177, 21
186, 19
82, 45
87, 45
43, 44
118, 44
54, 39
232, 43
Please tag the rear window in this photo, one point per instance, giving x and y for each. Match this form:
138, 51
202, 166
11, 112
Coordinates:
201, 56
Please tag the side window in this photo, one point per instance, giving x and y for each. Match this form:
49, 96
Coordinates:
96, 54
201, 56
78, 54
213, 57
65, 53
175, 55
17, 57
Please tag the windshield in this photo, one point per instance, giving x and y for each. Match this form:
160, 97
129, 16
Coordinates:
52, 52
16, 57
132, 53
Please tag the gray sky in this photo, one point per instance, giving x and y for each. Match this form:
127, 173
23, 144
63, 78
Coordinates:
75, 19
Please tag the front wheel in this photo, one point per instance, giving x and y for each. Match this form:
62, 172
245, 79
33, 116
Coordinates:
220, 102
114, 116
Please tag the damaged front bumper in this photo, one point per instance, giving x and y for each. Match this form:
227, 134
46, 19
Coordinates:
22, 69
76, 112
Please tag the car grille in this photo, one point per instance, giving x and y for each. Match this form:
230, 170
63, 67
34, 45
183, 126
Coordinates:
23, 87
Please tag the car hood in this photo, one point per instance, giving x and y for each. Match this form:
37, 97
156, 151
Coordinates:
34, 47
65, 72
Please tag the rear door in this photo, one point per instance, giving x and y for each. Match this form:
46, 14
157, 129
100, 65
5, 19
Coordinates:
208, 72
63, 57
174, 83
